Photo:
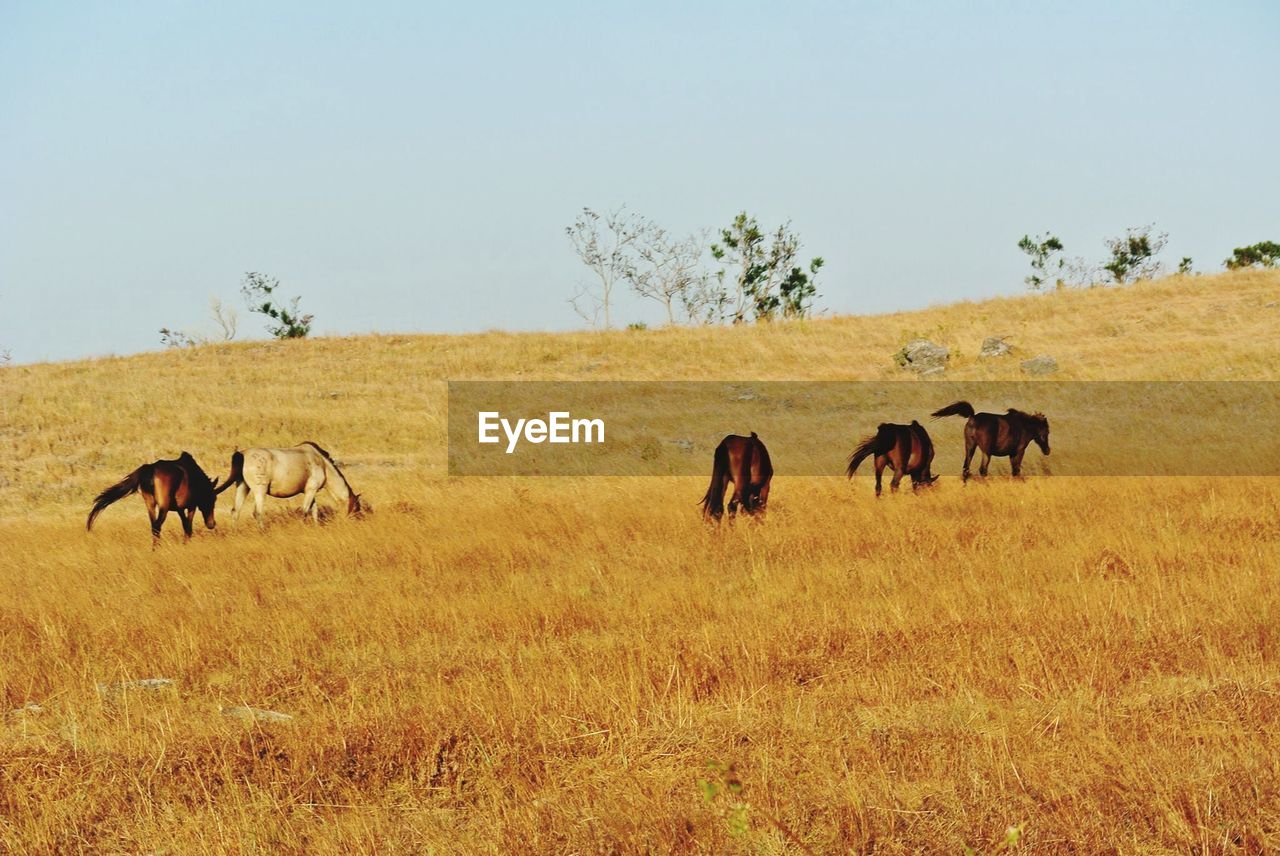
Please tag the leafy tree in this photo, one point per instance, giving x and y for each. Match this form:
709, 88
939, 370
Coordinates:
1263, 254
171, 338
766, 280
1184, 266
1044, 251
1132, 255
259, 293
799, 289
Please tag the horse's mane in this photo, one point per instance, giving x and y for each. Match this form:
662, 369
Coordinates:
192, 468
313, 444
1030, 417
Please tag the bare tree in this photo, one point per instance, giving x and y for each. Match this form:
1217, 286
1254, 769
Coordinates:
224, 317
670, 270
607, 244
224, 321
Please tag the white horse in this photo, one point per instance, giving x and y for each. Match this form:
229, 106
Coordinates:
303, 469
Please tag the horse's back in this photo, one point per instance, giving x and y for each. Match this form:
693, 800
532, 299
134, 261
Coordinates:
282, 472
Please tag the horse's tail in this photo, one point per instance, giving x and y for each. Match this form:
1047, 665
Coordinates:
713, 501
881, 441
139, 478
958, 408
237, 471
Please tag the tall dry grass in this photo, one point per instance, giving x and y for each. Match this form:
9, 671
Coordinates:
559, 665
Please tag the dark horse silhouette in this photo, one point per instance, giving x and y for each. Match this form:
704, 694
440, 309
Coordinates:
1005, 435
745, 462
905, 449
166, 486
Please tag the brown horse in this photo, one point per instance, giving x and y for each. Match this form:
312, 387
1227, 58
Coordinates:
905, 449
166, 486
1005, 435
745, 462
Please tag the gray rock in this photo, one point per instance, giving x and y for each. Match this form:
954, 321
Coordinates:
994, 346
28, 709
684, 444
936, 371
146, 684
1043, 364
254, 714
921, 355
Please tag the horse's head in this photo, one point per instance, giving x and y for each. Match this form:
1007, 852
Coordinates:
206, 505
1041, 426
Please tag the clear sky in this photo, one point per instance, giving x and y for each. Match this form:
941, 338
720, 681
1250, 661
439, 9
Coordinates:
411, 166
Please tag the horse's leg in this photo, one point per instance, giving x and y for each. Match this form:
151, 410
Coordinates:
157, 523
314, 483
309, 505
150, 500
897, 479
880, 462
186, 517
986, 462
968, 456
762, 499
1015, 462
735, 499
259, 500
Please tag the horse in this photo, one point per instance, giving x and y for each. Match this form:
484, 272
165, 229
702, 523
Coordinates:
1005, 435
178, 485
303, 469
905, 449
745, 462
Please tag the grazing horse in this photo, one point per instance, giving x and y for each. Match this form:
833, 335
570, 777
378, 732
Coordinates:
1005, 435
905, 449
303, 469
166, 486
745, 462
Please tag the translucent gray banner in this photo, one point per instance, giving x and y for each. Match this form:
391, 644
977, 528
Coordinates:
647, 428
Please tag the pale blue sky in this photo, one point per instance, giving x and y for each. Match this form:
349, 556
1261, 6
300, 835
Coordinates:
411, 166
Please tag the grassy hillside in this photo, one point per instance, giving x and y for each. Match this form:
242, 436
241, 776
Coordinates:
559, 665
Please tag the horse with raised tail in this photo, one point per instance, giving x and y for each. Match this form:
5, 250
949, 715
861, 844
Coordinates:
179, 485
905, 449
1004, 435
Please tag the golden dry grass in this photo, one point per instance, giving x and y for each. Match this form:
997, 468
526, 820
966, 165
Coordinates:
550, 665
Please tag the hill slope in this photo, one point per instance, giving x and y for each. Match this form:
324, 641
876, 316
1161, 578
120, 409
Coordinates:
561, 665
379, 401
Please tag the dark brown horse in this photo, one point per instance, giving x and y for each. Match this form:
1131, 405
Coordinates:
905, 449
1004, 435
745, 462
166, 486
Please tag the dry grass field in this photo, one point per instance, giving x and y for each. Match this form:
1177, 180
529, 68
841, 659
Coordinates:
507, 665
